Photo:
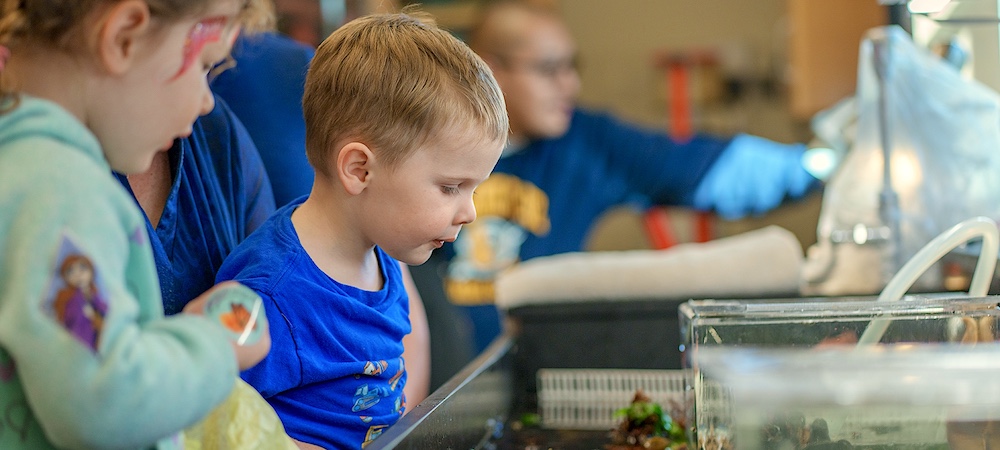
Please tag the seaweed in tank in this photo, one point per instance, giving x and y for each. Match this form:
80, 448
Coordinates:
644, 425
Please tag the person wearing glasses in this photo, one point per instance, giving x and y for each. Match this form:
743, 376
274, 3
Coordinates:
566, 166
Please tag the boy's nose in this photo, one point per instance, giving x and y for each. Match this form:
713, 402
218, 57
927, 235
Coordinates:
467, 213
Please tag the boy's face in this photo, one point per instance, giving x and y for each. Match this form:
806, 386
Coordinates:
423, 203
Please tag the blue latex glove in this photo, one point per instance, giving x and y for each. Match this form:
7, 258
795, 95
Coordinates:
752, 176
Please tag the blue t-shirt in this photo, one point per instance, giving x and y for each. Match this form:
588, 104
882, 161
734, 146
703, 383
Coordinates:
335, 372
220, 193
265, 91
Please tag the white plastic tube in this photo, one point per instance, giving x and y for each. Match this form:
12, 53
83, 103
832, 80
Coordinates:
930, 254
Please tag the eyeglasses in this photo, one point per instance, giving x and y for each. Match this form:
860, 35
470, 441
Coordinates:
227, 63
545, 68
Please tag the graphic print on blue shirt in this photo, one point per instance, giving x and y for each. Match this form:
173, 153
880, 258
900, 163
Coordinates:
367, 396
508, 209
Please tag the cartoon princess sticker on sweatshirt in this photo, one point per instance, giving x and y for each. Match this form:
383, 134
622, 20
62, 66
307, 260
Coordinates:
77, 303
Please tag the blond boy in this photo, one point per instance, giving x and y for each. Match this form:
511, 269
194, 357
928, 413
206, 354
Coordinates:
403, 121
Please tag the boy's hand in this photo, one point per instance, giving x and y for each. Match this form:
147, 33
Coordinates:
240, 311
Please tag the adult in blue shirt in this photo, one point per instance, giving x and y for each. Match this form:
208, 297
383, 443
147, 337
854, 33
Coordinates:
202, 196
264, 89
566, 166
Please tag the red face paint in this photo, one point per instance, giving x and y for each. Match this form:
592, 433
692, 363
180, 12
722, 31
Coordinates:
203, 33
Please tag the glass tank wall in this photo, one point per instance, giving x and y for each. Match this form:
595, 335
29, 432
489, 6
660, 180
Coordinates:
825, 331
894, 396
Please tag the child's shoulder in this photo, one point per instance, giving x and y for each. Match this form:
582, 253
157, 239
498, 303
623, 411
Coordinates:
276, 232
40, 139
48, 157
266, 252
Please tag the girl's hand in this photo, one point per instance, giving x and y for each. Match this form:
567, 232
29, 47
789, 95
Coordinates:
240, 311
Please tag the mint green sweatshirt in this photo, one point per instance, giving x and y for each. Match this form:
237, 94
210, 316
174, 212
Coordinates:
106, 369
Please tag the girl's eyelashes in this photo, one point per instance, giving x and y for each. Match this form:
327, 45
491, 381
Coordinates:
450, 189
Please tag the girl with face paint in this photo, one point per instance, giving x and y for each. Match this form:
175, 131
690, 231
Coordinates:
87, 87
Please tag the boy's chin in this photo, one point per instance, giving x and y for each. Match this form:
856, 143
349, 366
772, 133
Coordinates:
418, 261
414, 257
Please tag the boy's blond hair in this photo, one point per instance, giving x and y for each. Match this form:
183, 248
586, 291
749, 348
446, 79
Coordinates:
393, 82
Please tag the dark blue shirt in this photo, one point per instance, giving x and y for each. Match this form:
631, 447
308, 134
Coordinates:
219, 194
601, 163
544, 199
265, 91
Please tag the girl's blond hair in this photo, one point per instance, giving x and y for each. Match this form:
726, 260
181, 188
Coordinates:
53, 21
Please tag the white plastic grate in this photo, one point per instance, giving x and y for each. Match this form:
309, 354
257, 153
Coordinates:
586, 399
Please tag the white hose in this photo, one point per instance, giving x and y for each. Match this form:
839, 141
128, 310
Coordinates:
930, 254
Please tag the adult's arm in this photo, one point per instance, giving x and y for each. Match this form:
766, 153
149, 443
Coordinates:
416, 346
734, 176
752, 176
256, 197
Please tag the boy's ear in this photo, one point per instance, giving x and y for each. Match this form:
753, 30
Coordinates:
354, 164
120, 28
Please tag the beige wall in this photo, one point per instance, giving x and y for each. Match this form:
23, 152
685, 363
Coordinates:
618, 39
617, 42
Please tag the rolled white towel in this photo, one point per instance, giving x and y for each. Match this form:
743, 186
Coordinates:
757, 263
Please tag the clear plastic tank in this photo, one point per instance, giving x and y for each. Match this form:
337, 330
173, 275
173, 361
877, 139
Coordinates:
779, 365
